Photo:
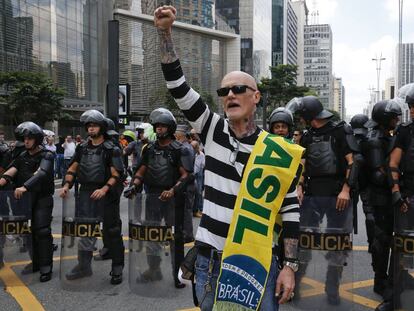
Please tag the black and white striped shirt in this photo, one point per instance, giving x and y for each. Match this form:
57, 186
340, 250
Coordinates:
226, 157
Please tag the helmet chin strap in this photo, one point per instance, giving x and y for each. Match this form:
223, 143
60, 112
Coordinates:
163, 135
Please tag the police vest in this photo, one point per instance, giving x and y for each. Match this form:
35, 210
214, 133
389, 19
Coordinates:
93, 165
162, 169
322, 160
407, 161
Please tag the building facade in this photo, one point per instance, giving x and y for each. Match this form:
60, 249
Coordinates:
301, 11
284, 33
252, 21
339, 98
68, 40
318, 61
405, 64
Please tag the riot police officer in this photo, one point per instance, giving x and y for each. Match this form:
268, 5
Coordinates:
376, 150
113, 135
360, 132
98, 167
281, 122
32, 174
401, 165
162, 173
324, 188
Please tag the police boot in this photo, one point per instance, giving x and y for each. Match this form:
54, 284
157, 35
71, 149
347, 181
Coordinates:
380, 284
45, 273
153, 273
116, 275
83, 268
30, 268
333, 276
385, 306
103, 254
408, 280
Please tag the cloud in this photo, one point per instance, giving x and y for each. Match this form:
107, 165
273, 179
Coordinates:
358, 71
325, 8
392, 8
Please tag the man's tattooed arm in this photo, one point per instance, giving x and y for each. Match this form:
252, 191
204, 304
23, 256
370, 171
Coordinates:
291, 248
168, 54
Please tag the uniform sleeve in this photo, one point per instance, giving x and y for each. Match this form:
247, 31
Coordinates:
77, 155
403, 138
144, 158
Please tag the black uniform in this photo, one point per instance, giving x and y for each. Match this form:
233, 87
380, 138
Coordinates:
376, 150
325, 172
35, 173
162, 172
94, 171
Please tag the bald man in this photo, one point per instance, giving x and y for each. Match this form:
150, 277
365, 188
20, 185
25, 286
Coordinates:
227, 145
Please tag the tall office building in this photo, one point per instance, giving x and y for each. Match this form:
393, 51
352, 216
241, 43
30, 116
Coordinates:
301, 11
318, 61
253, 21
405, 65
68, 40
284, 33
339, 97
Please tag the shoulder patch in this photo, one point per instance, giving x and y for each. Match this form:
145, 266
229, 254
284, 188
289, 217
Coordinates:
176, 145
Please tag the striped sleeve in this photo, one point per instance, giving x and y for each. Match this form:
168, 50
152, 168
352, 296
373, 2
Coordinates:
188, 100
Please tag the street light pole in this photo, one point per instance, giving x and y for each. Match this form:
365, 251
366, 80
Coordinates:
378, 61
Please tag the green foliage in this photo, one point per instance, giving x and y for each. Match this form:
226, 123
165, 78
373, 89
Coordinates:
31, 97
163, 98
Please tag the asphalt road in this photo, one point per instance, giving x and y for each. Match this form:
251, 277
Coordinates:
100, 295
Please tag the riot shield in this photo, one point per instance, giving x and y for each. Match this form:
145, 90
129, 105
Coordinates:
15, 237
81, 236
403, 281
324, 279
151, 245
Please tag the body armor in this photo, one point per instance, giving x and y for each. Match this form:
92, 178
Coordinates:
407, 163
162, 169
92, 168
321, 160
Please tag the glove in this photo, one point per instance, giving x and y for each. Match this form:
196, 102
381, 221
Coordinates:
397, 200
132, 190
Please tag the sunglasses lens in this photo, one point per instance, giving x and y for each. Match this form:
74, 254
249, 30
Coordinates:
223, 91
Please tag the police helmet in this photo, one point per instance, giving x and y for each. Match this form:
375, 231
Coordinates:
406, 94
357, 124
31, 130
94, 116
110, 125
281, 114
383, 112
163, 116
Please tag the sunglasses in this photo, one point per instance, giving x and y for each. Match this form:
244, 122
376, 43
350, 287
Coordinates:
236, 89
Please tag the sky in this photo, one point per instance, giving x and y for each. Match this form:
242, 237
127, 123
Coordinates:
362, 30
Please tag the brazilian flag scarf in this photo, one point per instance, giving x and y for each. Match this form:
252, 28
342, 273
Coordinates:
247, 253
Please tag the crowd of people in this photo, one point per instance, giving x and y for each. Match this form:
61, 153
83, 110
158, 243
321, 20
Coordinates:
259, 195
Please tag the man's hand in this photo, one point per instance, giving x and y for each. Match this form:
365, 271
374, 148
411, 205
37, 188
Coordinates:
286, 283
166, 195
164, 17
18, 193
64, 191
98, 194
342, 201
399, 202
3, 182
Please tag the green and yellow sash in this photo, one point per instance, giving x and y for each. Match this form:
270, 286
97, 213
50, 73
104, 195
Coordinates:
247, 253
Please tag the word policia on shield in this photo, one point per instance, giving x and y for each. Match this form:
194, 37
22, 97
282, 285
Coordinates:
247, 254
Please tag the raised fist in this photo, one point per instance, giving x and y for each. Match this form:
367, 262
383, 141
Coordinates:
164, 17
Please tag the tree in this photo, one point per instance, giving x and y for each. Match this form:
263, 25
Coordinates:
31, 97
282, 87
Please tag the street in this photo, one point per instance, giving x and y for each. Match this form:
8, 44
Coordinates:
49, 296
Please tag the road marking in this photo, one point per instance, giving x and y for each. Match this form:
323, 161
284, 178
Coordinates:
19, 291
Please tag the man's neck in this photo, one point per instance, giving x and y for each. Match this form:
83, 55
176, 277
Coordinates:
243, 128
34, 150
97, 140
164, 141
